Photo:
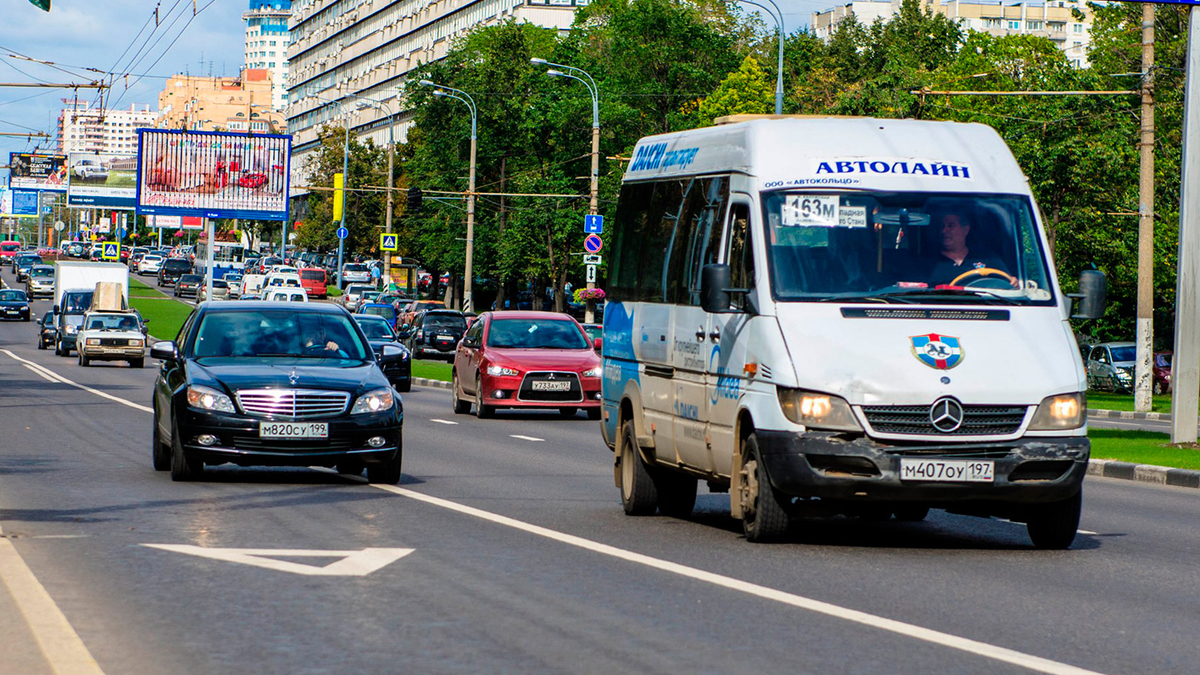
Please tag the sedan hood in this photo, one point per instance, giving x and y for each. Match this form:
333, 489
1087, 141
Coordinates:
276, 373
15, 304
545, 359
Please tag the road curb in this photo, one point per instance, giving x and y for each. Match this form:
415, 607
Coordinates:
436, 384
1128, 415
1144, 473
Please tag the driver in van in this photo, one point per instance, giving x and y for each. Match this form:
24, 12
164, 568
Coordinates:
955, 258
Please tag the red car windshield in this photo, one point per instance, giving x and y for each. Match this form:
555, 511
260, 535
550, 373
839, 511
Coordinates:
536, 334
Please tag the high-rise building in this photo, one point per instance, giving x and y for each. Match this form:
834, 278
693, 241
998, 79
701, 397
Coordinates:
1067, 23
241, 103
343, 51
87, 127
267, 43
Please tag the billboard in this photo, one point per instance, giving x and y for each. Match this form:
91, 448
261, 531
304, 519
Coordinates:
37, 172
24, 202
213, 174
97, 180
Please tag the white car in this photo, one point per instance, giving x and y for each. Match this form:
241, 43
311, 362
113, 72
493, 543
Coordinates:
150, 264
353, 295
278, 294
111, 336
355, 272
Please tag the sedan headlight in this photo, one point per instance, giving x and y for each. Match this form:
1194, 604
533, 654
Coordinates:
1065, 411
93, 342
373, 401
594, 372
135, 343
72, 329
495, 370
817, 410
206, 398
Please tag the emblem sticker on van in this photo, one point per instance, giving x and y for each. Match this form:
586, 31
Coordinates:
940, 352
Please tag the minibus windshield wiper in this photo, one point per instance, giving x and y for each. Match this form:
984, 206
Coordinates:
883, 298
949, 293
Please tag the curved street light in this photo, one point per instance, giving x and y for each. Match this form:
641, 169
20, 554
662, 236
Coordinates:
465, 98
777, 14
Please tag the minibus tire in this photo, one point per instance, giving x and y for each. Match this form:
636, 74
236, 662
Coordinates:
1053, 526
639, 496
676, 493
763, 519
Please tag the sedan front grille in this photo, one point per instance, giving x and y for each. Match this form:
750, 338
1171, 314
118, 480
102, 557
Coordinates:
978, 420
292, 403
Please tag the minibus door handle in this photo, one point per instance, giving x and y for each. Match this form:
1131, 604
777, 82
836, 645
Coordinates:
700, 334
715, 335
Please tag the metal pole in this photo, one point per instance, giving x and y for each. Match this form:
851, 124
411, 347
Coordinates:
1143, 370
208, 262
589, 315
467, 306
345, 180
387, 227
778, 16
1185, 382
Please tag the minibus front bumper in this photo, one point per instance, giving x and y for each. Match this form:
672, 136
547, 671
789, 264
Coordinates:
838, 466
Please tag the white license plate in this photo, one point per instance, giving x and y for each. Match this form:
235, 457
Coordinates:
293, 430
551, 386
948, 470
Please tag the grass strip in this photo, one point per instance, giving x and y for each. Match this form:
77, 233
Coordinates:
164, 316
431, 370
1103, 400
1142, 447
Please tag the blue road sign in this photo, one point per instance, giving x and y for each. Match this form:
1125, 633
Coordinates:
343, 233
593, 224
593, 243
388, 242
111, 251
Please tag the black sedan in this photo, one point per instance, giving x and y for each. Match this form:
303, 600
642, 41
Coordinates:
188, 284
261, 383
394, 358
14, 304
47, 330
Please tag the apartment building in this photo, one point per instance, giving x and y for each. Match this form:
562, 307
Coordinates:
343, 51
267, 43
1068, 23
242, 103
85, 126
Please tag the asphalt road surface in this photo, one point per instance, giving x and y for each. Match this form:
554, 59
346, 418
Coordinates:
505, 550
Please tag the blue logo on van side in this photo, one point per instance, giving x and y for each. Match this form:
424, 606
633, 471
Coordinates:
728, 386
655, 156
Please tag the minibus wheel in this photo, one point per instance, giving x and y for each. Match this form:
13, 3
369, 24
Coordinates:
763, 519
1053, 526
638, 493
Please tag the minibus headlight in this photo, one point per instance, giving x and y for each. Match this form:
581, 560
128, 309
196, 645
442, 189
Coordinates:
816, 410
1064, 411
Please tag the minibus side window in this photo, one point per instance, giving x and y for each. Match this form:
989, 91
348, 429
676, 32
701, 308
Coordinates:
702, 212
741, 252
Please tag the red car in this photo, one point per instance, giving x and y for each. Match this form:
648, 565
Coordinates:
253, 180
314, 282
1162, 372
526, 360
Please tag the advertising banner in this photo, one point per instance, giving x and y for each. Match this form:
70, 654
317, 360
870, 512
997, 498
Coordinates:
177, 222
24, 202
102, 180
37, 172
213, 174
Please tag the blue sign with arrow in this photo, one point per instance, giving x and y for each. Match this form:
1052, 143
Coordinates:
342, 233
593, 224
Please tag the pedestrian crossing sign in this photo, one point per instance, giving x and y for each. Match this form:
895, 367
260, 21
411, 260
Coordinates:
387, 242
112, 251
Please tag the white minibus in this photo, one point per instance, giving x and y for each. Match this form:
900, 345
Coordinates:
842, 316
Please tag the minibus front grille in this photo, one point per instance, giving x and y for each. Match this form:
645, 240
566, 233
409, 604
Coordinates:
978, 420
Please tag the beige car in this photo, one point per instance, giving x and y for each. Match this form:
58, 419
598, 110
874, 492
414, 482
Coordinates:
111, 336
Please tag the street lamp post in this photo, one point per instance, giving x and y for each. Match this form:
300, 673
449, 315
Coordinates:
345, 180
778, 16
464, 97
594, 196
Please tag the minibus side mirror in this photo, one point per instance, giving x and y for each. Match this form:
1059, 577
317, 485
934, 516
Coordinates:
1093, 291
714, 282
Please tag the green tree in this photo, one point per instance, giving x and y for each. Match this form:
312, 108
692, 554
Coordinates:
745, 91
364, 206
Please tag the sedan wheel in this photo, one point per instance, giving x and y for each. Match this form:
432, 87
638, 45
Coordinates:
482, 411
160, 453
388, 472
183, 468
84, 361
461, 407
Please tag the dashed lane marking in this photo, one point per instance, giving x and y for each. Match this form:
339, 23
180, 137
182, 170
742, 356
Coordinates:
527, 438
983, 649
434, 419
55, 377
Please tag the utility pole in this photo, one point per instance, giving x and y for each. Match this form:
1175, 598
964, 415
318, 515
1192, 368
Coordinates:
1185, 362
1143, 368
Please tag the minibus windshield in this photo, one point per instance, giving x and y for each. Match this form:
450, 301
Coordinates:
904, 247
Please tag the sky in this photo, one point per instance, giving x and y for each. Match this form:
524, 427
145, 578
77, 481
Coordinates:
119, 36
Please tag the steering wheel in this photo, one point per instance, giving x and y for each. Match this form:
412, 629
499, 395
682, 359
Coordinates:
985, 274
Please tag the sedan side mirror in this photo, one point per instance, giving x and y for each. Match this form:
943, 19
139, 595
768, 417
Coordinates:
164, 351
598, 344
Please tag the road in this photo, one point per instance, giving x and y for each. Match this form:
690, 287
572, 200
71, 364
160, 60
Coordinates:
505, 550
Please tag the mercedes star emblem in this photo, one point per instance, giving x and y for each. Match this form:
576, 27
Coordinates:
293, 378
946, 415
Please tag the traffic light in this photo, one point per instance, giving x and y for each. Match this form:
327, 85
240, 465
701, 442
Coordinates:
414, 200
41, 4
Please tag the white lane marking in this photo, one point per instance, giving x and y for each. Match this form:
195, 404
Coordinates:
352, 563
1086, 532
527, 438
55, 377
64, 652
434, 419
1002, 654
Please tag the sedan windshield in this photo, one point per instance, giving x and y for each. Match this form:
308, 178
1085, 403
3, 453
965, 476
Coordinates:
41, 272
1123, 354
278, 333
377, 330
12, 296
536, 334
904, 247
